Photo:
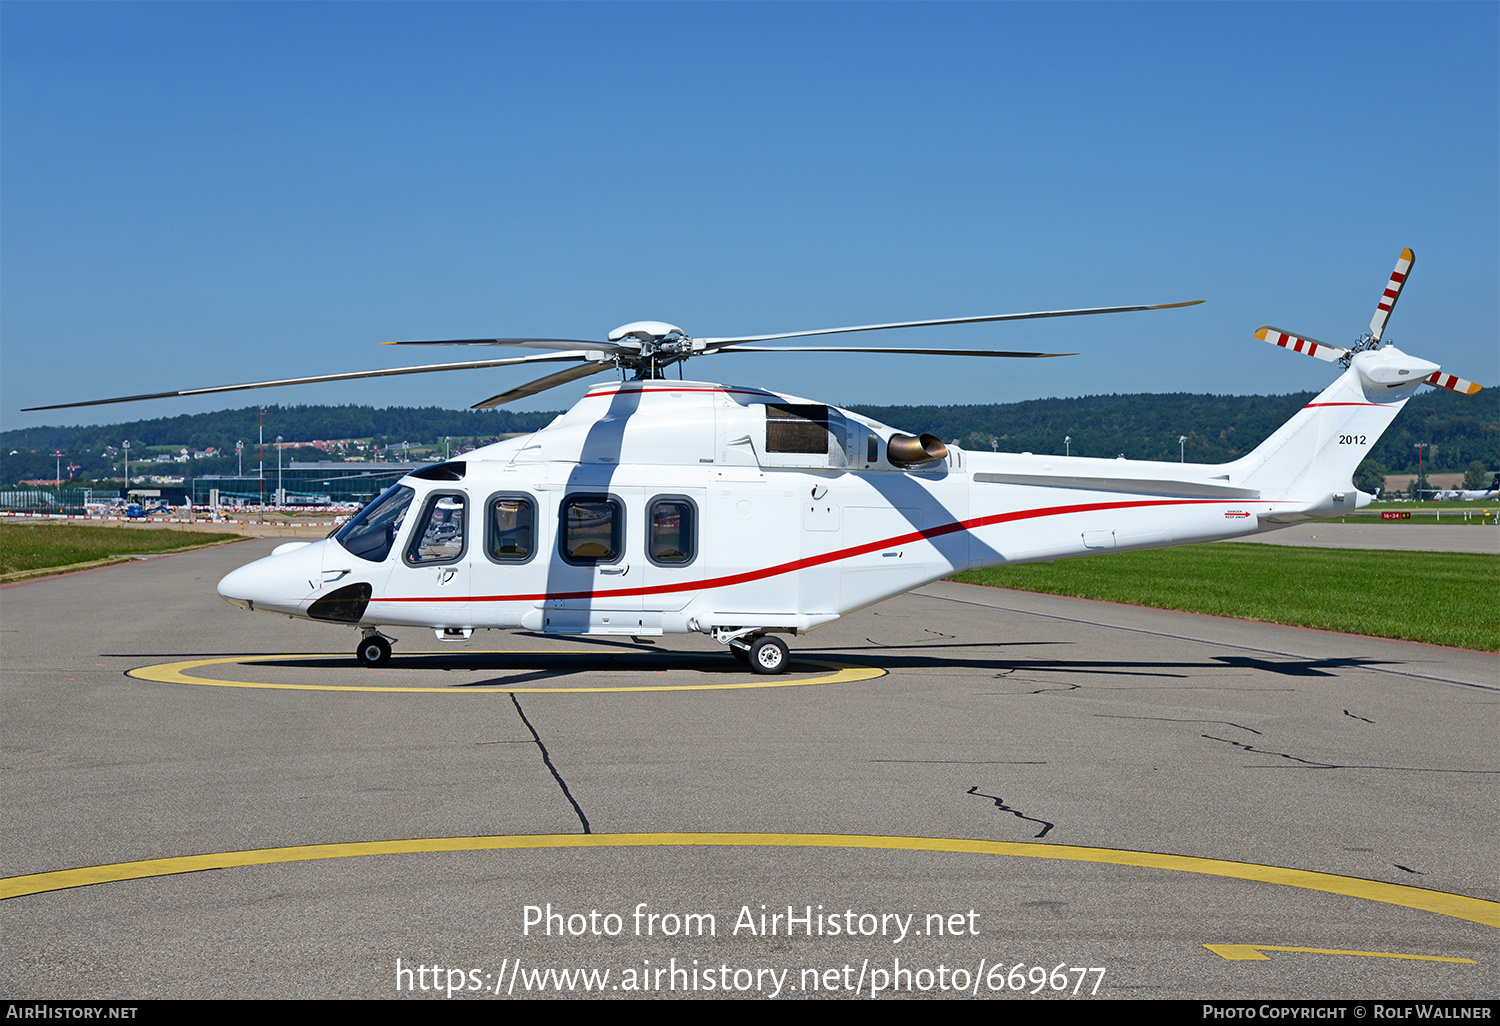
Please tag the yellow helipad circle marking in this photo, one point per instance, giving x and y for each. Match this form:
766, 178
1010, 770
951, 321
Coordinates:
1252, 953
176, 673
1457, 906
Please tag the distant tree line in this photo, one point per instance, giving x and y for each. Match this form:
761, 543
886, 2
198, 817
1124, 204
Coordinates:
1459, 431
26, 454
1218, 428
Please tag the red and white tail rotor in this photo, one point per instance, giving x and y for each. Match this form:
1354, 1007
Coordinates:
1335, 354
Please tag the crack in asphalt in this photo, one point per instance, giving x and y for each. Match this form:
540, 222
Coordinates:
1000, 804
1045, 691
1279, 755
1315, 764
1354, 717
1173, 719
1008, 675
1101, 687
547, 758
967, 762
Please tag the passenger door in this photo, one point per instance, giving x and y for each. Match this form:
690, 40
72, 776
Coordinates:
671, 534
595, 565
429, 584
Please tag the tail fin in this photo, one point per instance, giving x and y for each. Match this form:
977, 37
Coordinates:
1309, 462
1307, 467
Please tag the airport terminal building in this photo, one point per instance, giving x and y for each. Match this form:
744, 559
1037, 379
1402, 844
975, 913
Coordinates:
304, 484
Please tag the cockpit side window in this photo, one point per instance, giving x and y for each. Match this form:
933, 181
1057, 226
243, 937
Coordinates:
373, 530
439, 535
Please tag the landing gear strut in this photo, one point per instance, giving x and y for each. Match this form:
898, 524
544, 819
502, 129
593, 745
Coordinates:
765, 653
374, 651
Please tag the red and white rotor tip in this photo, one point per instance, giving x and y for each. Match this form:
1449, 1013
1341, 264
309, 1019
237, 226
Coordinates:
1392, 293
1298, 344
1452, 383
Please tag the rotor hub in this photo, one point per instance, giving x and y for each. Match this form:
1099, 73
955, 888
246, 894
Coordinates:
646, 331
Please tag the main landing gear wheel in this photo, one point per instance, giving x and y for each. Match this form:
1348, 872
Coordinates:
768, 654
373, 652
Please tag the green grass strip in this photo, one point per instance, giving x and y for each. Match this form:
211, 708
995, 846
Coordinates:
1476, 506
27, 549
1443, 598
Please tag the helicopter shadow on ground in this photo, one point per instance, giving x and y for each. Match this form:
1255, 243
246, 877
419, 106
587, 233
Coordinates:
611, 656
591, 669
526, 667
907, 657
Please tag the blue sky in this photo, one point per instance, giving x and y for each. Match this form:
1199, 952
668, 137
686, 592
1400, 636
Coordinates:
196, 194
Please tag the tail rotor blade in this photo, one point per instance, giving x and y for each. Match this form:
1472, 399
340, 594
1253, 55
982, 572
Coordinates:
1299, 344
1392, 293
1452, 383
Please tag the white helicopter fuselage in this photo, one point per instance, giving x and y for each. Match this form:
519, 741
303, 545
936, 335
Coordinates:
657, 507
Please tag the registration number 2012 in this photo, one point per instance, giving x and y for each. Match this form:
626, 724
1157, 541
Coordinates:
1351, 439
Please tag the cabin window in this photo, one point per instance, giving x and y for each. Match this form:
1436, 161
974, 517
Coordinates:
796, 427
512, 529
672, 526
592, 529
439, 536
373, 530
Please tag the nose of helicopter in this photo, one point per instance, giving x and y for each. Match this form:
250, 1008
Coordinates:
278, 582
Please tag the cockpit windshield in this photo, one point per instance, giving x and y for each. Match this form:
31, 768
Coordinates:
373, 531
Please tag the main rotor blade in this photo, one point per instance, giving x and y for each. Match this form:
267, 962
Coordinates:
565, 344
880, 349
562, 377
319, 378
720, 342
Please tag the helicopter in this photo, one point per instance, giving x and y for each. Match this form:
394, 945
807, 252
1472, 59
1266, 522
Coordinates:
656, 507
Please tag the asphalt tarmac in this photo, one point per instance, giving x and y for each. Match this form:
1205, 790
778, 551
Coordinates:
1397, 537
963, 792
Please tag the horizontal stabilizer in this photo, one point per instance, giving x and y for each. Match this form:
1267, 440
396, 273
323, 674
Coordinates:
1135, 486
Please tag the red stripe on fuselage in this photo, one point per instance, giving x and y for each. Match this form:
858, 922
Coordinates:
828, 557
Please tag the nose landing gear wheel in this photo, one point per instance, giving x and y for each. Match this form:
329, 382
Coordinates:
768, 654
373, 652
